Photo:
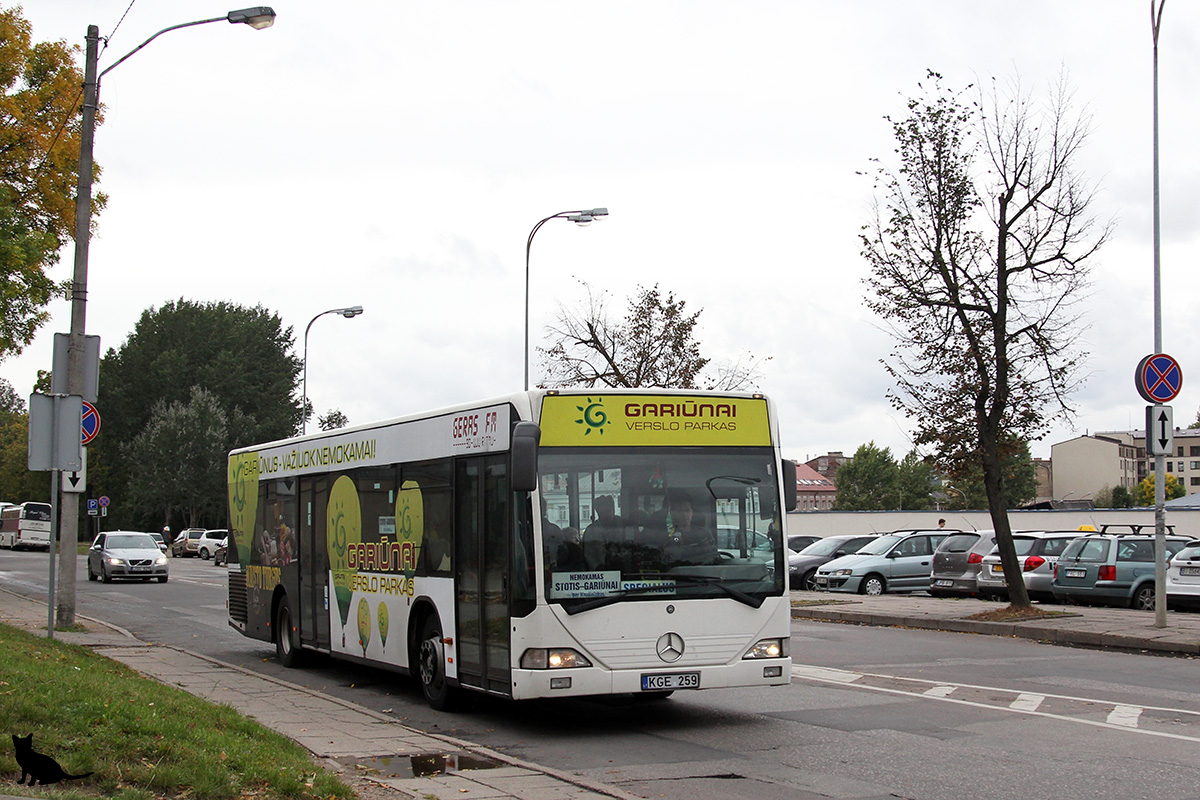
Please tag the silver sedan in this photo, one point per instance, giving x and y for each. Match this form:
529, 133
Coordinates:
125, 554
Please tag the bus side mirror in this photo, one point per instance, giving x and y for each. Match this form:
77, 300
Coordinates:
523, 468
790, 495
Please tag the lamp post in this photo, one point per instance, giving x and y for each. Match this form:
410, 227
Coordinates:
1160, 460
580, 218
257, 17
349, 313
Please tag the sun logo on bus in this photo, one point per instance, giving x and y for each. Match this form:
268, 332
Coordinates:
593, 416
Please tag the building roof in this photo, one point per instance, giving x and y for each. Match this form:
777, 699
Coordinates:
809, 480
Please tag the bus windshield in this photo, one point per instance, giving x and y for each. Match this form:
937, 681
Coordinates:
626, 524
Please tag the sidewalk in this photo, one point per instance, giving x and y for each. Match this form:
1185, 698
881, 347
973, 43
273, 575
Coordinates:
1083, 626
347, 735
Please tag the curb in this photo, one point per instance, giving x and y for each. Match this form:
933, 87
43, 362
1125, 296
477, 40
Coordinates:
1036, 630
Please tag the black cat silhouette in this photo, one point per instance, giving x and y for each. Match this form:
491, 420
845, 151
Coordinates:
40, 768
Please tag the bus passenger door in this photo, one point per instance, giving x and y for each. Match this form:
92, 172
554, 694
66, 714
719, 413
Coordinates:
313, 614
481, 573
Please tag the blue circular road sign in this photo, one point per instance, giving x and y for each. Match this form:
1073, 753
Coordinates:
1159, 378
89, 423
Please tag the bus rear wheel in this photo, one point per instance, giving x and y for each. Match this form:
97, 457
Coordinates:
285, 650
431, 666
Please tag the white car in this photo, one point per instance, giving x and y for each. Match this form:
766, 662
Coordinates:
209, 541
1183, 576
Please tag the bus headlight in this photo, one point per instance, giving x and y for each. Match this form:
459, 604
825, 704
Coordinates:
768, 648
553, 658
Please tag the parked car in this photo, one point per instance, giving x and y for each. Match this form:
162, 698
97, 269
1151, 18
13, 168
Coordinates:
221, 554
160, 541
1110, 568
799, 541
187, 543
956, 563
126, 554
901, 560
802, 566
209, 541
1183, 576
1038, 552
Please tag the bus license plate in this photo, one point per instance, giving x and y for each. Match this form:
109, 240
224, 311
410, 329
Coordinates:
670, 680
1076, 573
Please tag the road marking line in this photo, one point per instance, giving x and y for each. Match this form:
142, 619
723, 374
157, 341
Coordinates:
1027, 702
939, 691
842, 677
1126, 716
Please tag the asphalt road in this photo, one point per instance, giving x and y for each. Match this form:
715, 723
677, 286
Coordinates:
871, 712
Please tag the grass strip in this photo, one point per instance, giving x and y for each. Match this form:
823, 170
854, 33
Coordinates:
142, 739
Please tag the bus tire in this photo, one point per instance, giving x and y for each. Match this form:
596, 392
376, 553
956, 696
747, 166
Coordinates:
431, 666
285, 649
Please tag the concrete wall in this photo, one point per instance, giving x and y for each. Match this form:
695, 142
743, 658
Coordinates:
830, 523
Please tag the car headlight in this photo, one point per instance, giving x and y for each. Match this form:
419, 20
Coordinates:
769, 648
553, 658
161, 560
843, 572
116, 562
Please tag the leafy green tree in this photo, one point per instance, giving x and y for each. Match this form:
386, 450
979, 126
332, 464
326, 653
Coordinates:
653, 345
1121, 497
978, 254
180, 456
869, 481
333, 420
1143, 495
240, 355
1020, 478
914, 477
40, 124
17, 483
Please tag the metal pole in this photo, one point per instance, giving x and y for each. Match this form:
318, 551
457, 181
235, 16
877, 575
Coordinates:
1160, 478
55, 479
75, 351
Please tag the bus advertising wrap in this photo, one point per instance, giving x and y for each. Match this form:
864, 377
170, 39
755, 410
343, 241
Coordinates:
654, 420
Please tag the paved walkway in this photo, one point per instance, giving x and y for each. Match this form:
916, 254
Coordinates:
1085, 626
349, 734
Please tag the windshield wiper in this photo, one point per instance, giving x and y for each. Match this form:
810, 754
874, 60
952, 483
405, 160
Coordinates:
707, 580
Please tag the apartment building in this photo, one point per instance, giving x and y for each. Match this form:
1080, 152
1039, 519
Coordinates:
1082, 466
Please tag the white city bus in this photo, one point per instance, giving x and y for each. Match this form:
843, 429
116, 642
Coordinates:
544, 544
25, 525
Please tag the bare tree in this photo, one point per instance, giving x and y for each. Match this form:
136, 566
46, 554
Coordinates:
653, 345
979, 254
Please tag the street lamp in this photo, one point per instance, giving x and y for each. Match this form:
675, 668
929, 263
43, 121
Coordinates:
349, 313
580, 218
257, 17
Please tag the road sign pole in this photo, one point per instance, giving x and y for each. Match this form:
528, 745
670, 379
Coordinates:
55, 478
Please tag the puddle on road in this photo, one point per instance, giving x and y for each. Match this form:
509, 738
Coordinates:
421, 766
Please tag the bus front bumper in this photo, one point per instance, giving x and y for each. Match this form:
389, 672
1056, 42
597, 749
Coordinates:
529, 684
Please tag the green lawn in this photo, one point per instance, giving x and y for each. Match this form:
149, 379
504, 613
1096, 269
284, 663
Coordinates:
140, 738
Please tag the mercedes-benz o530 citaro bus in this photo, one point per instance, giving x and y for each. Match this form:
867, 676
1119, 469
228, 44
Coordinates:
543, 544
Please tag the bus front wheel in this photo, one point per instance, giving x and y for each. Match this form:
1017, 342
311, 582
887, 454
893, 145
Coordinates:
431, 666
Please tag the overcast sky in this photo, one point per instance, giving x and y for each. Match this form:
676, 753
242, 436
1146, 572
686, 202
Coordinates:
395, 155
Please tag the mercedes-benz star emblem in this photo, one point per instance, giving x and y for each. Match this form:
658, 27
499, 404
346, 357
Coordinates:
670, 647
